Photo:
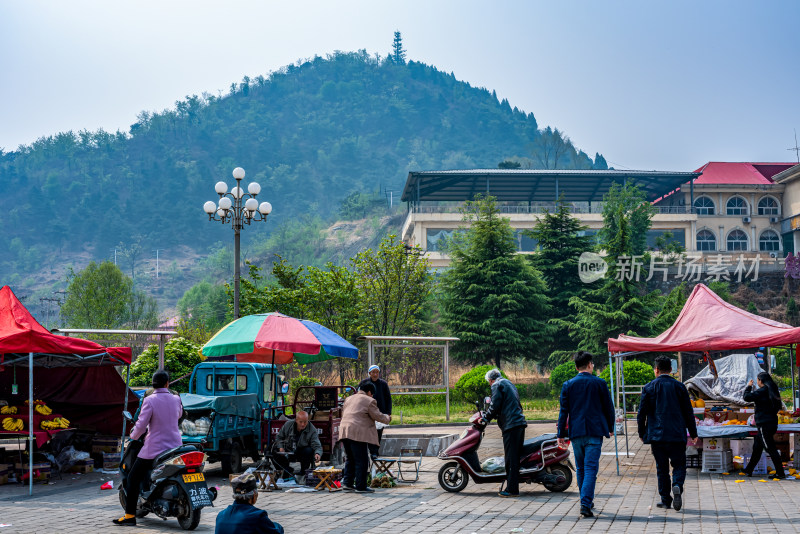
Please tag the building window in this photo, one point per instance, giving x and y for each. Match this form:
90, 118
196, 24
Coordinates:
704, 206
737, 206
436, 239
706, 241
768, 206
737, 240
769, 241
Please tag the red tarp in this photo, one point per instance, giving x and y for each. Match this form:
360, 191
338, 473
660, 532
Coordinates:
708, 323
21, 334
90, 397
74, 376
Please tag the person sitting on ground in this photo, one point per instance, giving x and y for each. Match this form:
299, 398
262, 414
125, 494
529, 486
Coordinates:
242, 517
300, 440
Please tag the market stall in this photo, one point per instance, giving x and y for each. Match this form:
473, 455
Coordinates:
705, 326
68, 370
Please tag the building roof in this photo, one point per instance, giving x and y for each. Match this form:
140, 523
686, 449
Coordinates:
788, 175
740, 173
518, 185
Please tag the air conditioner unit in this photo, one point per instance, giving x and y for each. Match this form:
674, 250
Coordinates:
746, 220
773, 255
773, 220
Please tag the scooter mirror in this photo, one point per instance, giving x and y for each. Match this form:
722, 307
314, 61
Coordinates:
127, 415
285, 388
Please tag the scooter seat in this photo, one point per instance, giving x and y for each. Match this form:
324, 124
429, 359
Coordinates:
532, 445
166, 455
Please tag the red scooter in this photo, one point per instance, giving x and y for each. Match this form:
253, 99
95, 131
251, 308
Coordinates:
541, 461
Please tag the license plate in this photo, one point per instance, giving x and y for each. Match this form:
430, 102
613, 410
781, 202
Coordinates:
194, 478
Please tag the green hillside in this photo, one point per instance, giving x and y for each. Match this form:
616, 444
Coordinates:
310, 134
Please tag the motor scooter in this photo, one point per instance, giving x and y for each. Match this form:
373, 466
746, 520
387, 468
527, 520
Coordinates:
541, 461
176, 486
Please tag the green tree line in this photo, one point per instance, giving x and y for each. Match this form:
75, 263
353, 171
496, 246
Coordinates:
311, 134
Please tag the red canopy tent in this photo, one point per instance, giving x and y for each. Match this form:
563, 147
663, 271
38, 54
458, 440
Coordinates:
706, 324
26, 343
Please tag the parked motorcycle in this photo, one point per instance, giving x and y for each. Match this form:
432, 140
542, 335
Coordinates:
542, 461
176, 486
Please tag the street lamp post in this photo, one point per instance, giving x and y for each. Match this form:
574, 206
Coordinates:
238, 208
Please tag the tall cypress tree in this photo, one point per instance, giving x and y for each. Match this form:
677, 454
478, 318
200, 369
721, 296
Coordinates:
398, 54
560, 242
621, 305
493, 300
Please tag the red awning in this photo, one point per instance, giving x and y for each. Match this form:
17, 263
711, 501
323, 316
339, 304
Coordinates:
708, 323
20, 333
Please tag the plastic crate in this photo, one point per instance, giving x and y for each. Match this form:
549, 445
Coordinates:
694, 461
717, 461
763, 466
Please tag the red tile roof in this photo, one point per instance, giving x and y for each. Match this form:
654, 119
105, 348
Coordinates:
721, 172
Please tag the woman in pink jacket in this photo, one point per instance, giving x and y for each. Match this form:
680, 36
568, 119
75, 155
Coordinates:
356, 431
159, 416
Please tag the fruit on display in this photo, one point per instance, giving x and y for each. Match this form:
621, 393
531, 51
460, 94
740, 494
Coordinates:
55, 424
733, 422
13, 425
43, 410
8, 410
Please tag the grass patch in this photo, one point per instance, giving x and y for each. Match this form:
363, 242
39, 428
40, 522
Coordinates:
460, 412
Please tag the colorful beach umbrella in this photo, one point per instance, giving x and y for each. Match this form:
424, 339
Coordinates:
279, 339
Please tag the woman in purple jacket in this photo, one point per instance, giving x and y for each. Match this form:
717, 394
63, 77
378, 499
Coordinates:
159, 416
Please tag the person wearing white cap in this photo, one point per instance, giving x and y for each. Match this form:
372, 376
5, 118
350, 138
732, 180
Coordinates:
384, 398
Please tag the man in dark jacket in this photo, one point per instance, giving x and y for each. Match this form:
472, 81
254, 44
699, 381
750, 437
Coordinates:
586, 416
300, 440
242, 517
507, 409
384, 398
665, 414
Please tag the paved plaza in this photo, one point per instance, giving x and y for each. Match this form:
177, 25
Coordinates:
713, 503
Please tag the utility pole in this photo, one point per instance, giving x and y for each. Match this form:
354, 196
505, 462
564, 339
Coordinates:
115, 255
50, 300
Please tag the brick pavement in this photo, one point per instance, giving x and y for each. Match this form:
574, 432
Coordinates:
713, 504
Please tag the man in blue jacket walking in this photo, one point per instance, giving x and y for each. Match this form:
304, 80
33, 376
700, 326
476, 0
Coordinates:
665, 414
586, 416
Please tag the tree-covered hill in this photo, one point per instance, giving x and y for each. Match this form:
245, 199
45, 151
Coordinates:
310, 134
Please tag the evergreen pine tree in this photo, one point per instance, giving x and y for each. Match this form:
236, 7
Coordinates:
493, 300
620, 305
560, 244
630, 203
398, 54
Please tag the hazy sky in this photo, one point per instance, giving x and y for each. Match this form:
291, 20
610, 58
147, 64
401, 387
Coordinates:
651, 85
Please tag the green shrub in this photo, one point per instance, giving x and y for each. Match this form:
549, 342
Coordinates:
782, 363
537, 390
636, 373
561, 374
559, 357
472, 385
300, 381
180, 357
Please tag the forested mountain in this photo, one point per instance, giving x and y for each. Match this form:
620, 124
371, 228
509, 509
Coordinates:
310, 134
